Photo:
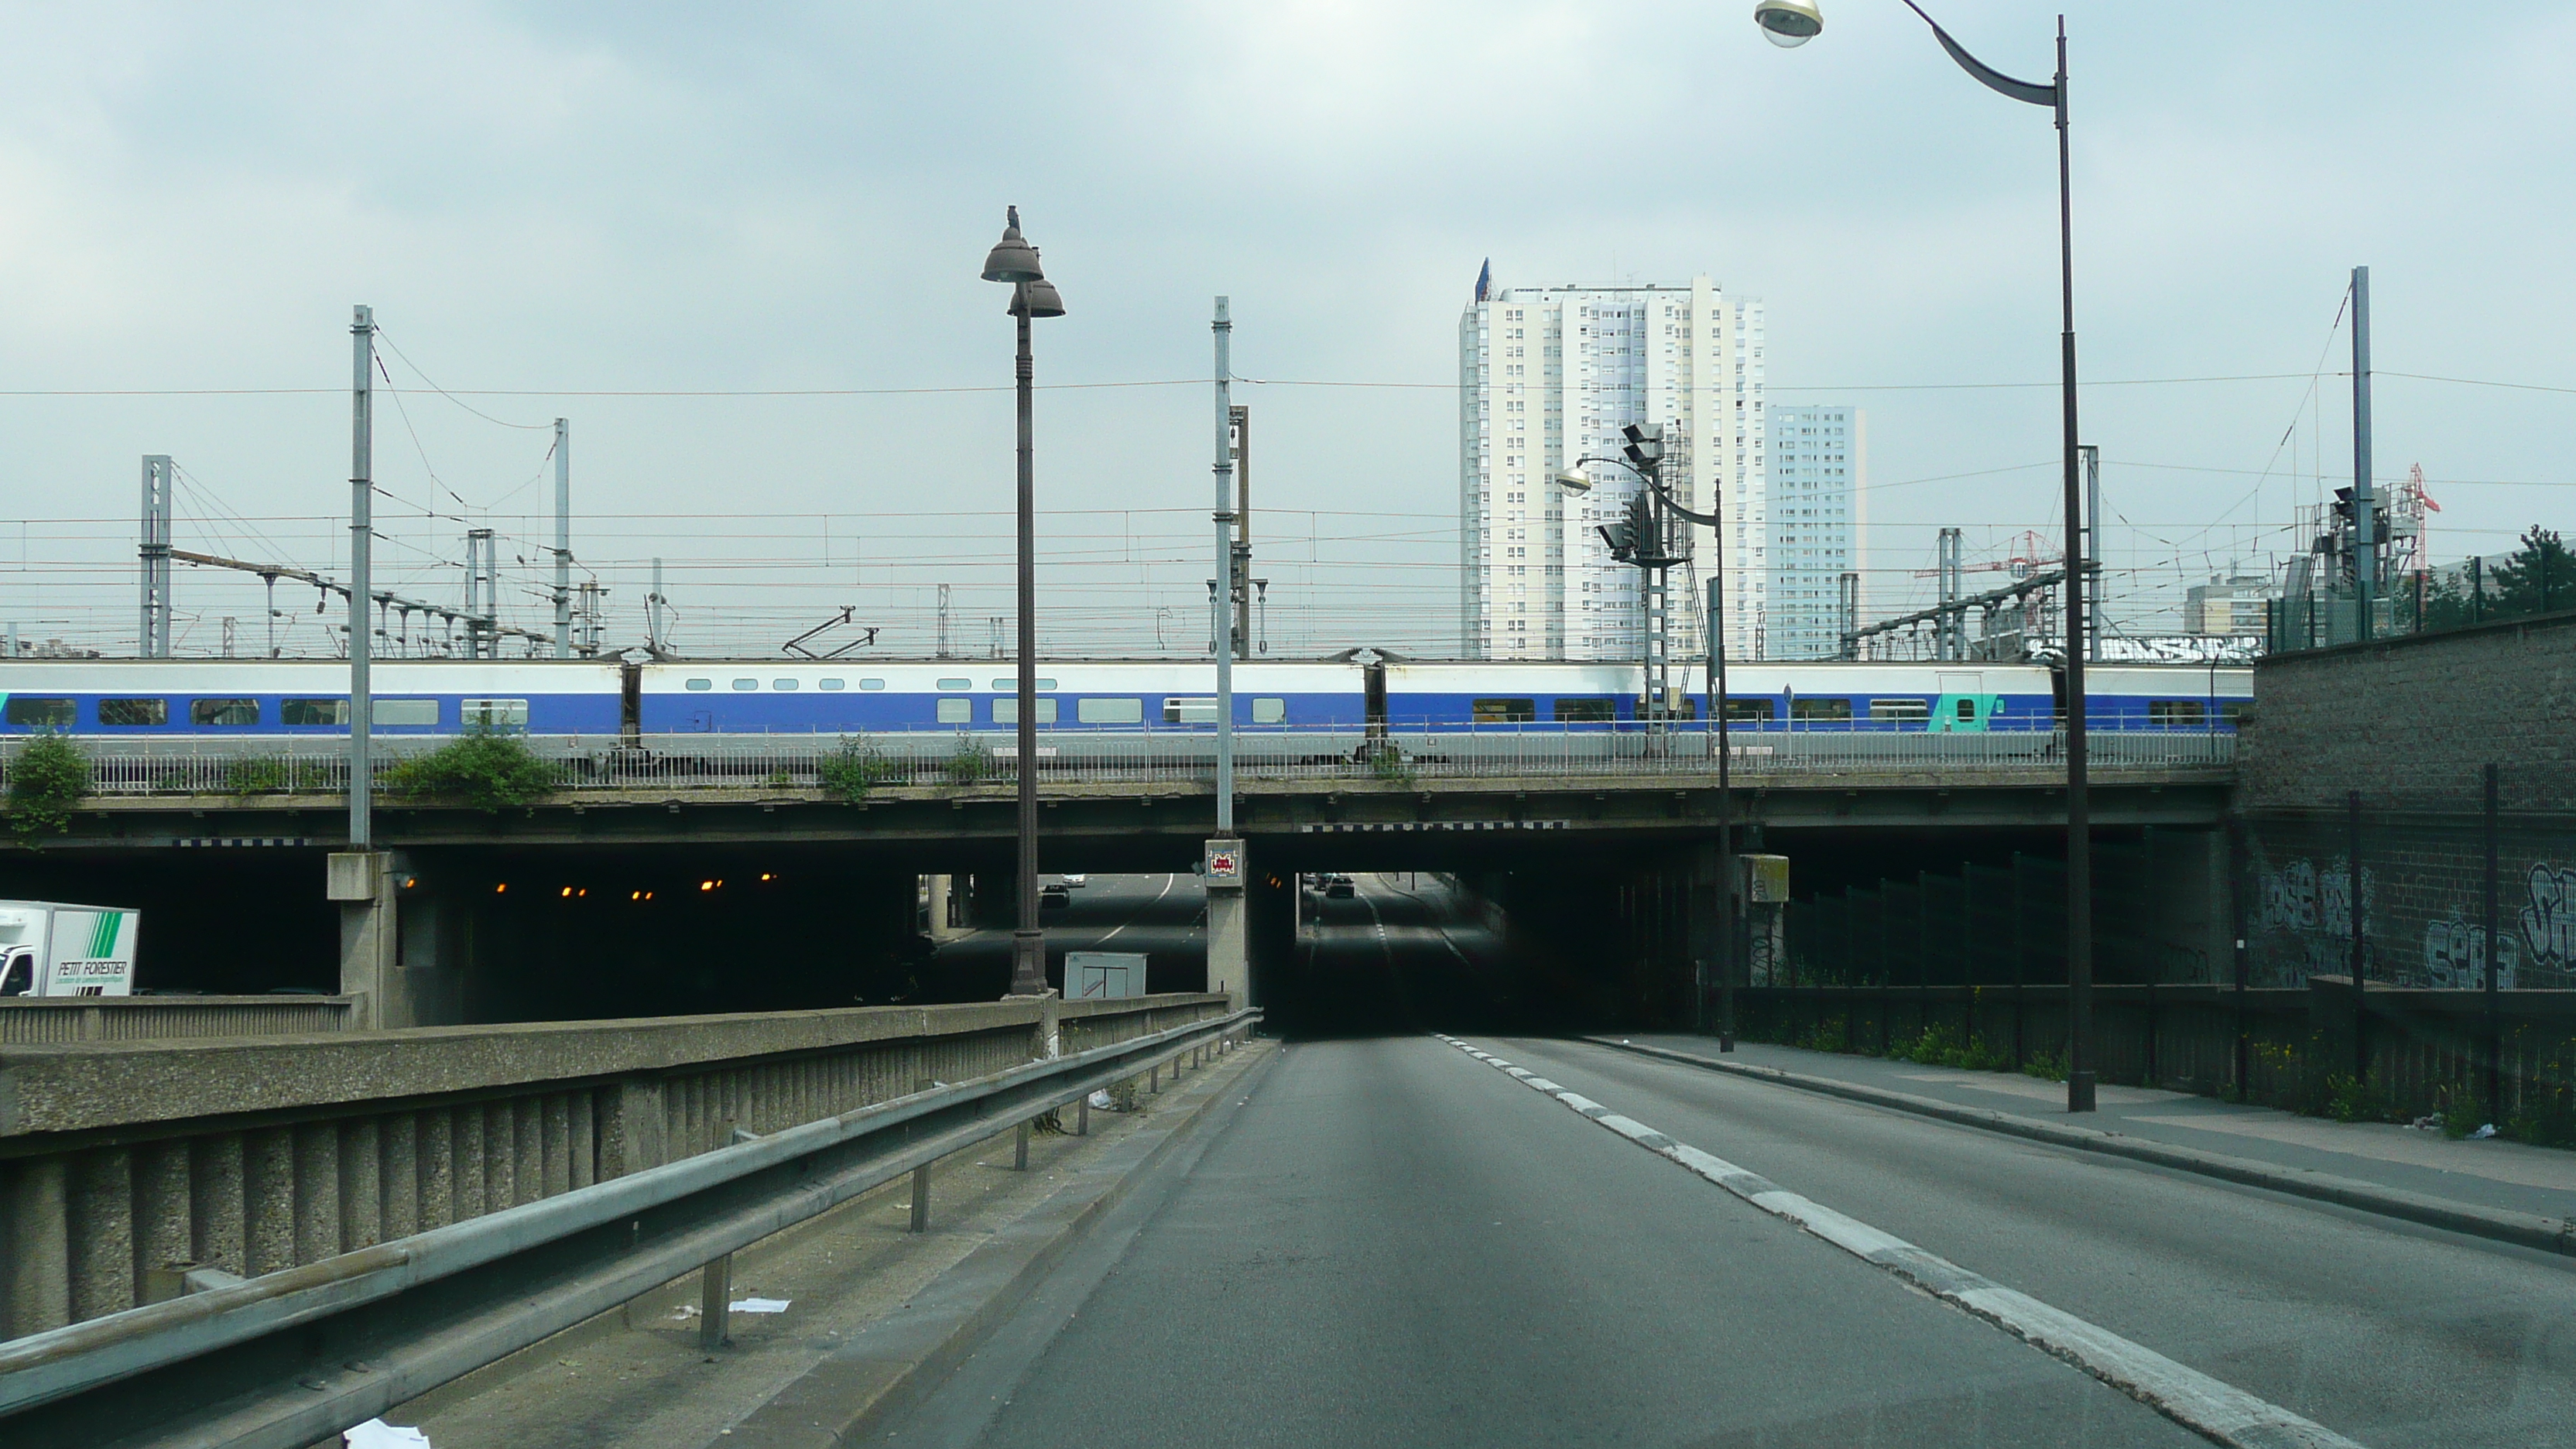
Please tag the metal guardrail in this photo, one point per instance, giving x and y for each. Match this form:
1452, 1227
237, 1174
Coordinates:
252, 766
292, 1357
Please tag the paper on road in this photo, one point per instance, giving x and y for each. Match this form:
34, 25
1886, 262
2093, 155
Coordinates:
759, 1305
377, 1434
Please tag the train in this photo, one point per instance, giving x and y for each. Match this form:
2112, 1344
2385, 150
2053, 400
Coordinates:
609, 697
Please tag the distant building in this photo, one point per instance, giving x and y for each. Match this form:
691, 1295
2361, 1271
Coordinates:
1819, 469
2231, 605
1548, 376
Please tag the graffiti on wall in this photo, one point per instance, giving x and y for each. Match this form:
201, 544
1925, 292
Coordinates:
2311, 904
2542, 934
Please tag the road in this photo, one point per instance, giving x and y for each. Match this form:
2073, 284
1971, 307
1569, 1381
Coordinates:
1386, 1241
1163, 916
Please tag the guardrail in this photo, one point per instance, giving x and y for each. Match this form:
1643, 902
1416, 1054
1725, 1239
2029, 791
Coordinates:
32, 1020
289, 1357
253, 766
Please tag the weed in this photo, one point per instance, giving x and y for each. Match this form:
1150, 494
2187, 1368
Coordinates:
971, 763
2549, 1122
2350, 1099
849, 772
1386, 761
256, 775
485, 768
2047, 1066
46, 782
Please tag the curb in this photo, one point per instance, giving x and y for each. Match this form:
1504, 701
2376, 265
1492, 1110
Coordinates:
838, 1399
2523, 1230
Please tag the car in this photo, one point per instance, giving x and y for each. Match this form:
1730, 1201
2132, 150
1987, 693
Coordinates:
1076, 882
1054, 898
1339, 888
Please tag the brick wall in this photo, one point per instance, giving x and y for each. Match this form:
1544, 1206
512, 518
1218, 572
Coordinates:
2410, 721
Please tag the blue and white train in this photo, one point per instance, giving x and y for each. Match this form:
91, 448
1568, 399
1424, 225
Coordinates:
202, 698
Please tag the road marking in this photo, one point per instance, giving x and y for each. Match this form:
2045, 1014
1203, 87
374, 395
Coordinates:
1140, 910
2206, 1406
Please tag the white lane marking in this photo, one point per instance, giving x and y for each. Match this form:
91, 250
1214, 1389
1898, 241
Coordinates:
1141, 910
2204, 1405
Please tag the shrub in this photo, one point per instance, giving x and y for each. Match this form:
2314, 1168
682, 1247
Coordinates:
2047, 1066
1386, 761
971, 763
2350, 1099
484, 768
849, 772
2549, 1121
46, 782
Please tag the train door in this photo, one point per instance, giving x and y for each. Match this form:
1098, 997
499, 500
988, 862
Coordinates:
1373, 698
1963, 707
630, 704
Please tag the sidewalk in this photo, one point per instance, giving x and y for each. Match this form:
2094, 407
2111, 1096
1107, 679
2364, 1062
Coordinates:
2492, 1173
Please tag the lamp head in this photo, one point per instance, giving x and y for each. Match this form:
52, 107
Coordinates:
1043, 299
1573, 482
1788, 23
1012, 259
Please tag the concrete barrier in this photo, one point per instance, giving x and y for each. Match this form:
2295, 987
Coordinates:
122, 1161
27, 1021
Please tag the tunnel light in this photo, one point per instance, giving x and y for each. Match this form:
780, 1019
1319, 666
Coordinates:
409, 881
706, 885
765, 875
635, 895
584, 891
500, 887
567, 890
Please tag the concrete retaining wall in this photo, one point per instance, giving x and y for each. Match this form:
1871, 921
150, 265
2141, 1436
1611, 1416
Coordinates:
27, 1021
121, 1161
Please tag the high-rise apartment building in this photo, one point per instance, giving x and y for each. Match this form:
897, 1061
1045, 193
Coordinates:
1819, 457
1547, 377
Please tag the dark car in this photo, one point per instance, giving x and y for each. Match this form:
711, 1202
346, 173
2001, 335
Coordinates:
1339, 888
1054, 898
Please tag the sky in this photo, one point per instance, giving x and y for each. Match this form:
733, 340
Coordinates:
738, 248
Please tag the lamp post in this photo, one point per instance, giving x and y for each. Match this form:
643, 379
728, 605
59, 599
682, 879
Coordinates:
1014, 261
1794, 23
1645, 459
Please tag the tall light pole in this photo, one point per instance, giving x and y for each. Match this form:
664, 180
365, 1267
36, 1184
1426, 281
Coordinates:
1793, 23
563, 538
1014, 261
362, 532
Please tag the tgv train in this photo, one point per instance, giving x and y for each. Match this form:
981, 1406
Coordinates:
607, 697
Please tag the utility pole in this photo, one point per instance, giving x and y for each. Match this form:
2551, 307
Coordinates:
1222, 868
155, 634
1240, 419
2092, 554
563, 539
362, 487
2365, 543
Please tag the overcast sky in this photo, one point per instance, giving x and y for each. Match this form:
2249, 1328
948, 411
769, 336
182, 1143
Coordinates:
585, 199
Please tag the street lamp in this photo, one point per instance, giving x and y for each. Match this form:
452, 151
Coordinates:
1794, 22
1014, 261
1645, 452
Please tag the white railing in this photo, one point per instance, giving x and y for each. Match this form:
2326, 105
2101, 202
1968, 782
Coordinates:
249, 767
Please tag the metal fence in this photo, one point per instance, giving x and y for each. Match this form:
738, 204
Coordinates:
252, 766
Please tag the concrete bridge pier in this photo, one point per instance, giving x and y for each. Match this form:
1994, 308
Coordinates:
365, 886
1270, 901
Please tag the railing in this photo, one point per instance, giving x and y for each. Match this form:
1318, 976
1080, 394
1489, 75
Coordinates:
297, 1353
122, 1162
32, 1021
249, 768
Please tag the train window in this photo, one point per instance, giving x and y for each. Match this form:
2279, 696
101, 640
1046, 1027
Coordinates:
869, 684
786, 684
1813, 708
1269, 711
1007, 711
1109, 711
42, 713
1194, 709
1900, 709
404, 711
1747, 711
1015, 684
134, 711
700, 684
832, 684
2236, 712
957, 711
1967, 709
223, 712
1586, 711
1506, 711
495, 714
2177, 712
957, 684
746, 684
313, 712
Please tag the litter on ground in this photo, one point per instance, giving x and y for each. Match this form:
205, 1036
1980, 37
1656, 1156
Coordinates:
377, 1434
759, 1305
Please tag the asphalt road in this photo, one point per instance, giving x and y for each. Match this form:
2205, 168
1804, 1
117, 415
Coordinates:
1162, 916
1388, 1242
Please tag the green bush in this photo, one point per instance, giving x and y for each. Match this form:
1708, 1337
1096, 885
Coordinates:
2350, 1099
254, 775
2047, 1066
2549, 1122
971, 763
46, 783
1386, 761
849, 772
485, 768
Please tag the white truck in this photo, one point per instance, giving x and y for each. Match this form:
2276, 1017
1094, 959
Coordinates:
50, 949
